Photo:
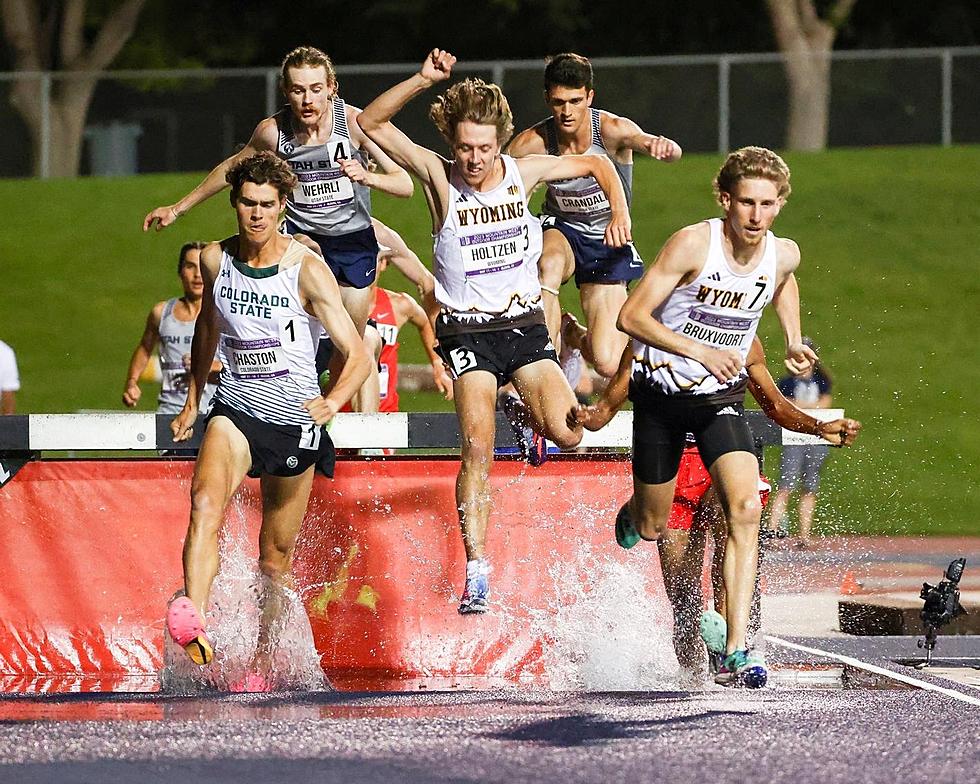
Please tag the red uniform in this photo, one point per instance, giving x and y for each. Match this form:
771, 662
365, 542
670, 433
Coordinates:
384, 315
387, 325
693, 481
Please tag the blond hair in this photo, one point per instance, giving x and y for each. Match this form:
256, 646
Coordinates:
752, 163
306, 57
476, 101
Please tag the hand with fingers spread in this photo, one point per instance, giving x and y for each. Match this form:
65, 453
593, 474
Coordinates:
161, 217
592, 417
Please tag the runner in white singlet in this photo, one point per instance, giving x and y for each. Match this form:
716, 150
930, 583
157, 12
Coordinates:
170, 330
693, 317
317, 133
491, 328
266, 300
575, 212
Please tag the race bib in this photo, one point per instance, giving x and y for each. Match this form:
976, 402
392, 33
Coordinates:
714, 330
590, 201
263, 358
383, 378
494, 251
325, 186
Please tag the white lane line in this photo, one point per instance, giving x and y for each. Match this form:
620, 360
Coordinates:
877, 670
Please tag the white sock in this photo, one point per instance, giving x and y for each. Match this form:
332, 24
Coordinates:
477, 567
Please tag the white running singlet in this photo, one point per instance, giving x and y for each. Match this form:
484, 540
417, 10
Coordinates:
324, 201
486, 254
268, 341
176, 337
721, 308
580, 202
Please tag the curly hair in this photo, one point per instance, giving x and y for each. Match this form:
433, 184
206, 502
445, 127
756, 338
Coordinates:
306, 57
472, 100
568, 70
752, 163
261, 168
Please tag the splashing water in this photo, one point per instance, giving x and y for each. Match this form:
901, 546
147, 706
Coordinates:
237, 596
610, 632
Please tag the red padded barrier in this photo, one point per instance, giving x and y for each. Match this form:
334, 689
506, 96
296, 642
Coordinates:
90, 554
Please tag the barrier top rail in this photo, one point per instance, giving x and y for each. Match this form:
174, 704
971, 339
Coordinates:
32, 433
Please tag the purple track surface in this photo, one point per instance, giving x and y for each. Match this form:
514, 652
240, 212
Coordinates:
774, 735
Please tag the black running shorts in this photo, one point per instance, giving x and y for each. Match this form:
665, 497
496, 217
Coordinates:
281, 450
502, 352
661, 424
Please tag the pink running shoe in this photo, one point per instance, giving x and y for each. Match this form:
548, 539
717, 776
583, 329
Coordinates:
187, 628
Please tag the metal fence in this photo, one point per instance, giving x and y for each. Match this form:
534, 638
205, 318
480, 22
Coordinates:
171, 121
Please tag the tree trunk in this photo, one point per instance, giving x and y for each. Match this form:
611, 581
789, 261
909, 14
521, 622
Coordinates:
809, 100
40, 34
806, 41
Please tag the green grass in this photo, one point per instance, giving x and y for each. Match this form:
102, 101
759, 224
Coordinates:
889, 284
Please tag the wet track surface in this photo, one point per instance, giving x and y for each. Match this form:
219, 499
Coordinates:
772, 735
786, 733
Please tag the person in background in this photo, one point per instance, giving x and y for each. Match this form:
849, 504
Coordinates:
170, 325
9, 380
800, 465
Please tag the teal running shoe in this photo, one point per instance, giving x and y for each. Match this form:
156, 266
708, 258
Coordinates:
743, 669
626, 535
714, 633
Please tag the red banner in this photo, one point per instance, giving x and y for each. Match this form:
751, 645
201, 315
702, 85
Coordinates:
90, 554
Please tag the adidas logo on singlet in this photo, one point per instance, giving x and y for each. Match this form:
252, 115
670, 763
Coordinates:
728, 411
715, 276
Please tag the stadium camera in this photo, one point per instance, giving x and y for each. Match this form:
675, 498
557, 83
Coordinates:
941, 605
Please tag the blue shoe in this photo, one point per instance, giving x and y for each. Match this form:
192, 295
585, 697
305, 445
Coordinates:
714, 633
476, 594
743, 669
533, 446
626, 535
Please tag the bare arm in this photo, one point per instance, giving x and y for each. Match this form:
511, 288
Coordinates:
388, 178
321, 296
613, 396
263, 138
404, 258
427, 166
839, 432
529, 142
141, 356
536, 169
407, 309
680, 260
621, 133
203, 346
786, 301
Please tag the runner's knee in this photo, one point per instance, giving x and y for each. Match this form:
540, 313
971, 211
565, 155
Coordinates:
745, 511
